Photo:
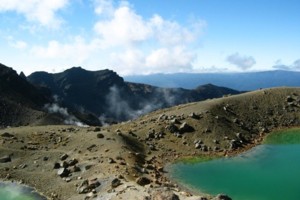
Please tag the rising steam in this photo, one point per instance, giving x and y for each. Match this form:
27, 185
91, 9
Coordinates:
120, 108
68, 118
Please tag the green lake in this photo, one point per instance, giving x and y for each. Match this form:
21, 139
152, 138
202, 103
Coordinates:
12, 191
267, 172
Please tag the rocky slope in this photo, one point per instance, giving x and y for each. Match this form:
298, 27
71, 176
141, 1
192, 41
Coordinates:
127, 160
20, 102
106, 94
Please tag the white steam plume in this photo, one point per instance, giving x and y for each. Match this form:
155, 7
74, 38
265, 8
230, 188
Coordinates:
68, 118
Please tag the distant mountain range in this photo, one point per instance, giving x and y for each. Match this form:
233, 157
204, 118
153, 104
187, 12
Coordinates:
79, 96
105, 94
237, 81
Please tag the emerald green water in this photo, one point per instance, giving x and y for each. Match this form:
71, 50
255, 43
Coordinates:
11, 191
267, 172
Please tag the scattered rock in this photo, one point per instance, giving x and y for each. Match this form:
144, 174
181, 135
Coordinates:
68, 179
56, 165
64, 164
63, 172
87, 186
97, 129
216, 141
151, 134
7, 135
83, 189
115, 183
5, 159
222, 197
22, 166
143, 181
234, 145
184, 127
175, 121
194, 116
64, 157
100, 135
45, 158
72, 162
164, 195
93, 183
111, 161
172, 128
91, 147
289, 99
197, 145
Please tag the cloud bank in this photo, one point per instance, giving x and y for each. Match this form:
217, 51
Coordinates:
242, 62
294, 66
127, 42
44, 12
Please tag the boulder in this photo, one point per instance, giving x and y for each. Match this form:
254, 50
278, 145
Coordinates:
75, 169
72, 162
6, 134
100, 135
5, 159
172, 128
164, 195
143, 181
56, 165
184, 127
222, 197
197, 145
194, 116
64, 157
97, 129
63, 172
175, 121
93, 183
289, 99
115, 183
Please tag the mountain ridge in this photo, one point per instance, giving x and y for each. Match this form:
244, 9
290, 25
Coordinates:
105, 93
244, 81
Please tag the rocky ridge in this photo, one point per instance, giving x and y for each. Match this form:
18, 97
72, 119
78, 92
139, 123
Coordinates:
104, 93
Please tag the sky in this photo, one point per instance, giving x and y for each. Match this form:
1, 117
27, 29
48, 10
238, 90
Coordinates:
150, 36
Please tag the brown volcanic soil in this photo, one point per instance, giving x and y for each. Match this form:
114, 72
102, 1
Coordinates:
144, 146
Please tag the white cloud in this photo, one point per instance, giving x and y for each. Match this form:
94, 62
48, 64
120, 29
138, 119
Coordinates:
77, 50
19, 44
155, 44
126, 42
129, 61
242, 62
124, 28
175, 59
294, 66
40, 11
167, 60
103, 7
171, 33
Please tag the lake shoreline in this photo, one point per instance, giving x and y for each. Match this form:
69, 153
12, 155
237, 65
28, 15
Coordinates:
260, 141
23, 189
185, 190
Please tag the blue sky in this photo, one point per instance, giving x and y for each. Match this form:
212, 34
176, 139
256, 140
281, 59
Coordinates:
143, 37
